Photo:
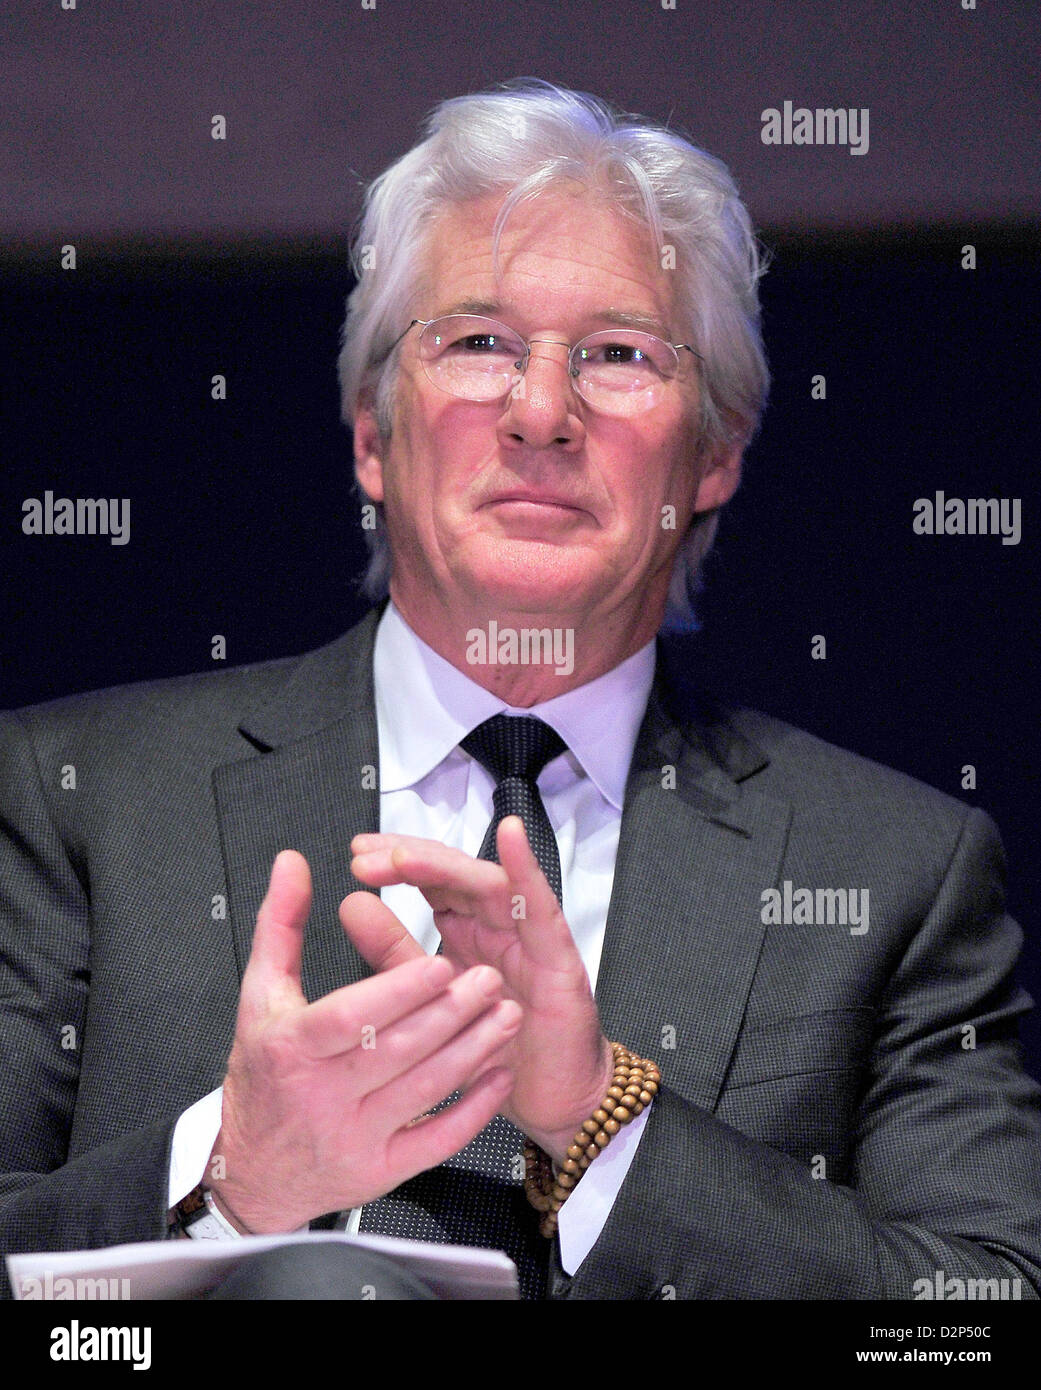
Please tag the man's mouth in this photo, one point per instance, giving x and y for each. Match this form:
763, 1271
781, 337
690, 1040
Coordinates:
526, 499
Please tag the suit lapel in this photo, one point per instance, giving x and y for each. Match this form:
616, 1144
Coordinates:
684, 930
314, 786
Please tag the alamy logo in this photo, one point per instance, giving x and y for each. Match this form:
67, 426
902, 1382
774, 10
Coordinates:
525, 646
972, 516
80, 1288
824, 125
816, 907
80, 1342
77, 516
955, 1290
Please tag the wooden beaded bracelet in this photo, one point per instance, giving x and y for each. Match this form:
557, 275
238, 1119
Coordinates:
633, 1087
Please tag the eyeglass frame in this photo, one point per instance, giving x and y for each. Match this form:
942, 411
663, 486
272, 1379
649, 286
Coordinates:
557, 342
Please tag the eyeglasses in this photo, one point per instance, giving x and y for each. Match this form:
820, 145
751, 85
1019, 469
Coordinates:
619, 371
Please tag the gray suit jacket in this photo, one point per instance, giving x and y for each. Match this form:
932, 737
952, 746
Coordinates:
825, 1130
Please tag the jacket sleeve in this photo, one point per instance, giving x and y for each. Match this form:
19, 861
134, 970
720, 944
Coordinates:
945, 1182
115, 1193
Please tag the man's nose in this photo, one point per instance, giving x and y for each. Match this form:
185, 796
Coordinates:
543, 409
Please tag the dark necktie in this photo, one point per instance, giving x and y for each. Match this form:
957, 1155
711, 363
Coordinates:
515, 749
477, 1196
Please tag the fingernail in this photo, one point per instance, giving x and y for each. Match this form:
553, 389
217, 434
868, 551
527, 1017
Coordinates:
487, 980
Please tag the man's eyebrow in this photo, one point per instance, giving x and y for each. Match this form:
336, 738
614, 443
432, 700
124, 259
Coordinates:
484, 307
646, 323
618, 318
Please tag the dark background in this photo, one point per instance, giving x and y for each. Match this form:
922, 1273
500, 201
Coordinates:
197, 257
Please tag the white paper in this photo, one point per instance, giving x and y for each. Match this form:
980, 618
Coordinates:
169, 1269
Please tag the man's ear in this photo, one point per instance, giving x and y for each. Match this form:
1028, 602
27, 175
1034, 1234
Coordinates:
720, 476
368, 451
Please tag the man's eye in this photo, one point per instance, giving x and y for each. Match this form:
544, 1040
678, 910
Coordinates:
615, 354
622, 352
480, 342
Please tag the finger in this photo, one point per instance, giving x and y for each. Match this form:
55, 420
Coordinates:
355, 1014
273, 968
369, 841
552, 943
422, 1086
383, 853
447, 878
391, 1051
377, 934
420, 1146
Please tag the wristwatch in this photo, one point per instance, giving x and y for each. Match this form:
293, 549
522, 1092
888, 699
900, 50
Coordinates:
198, 1217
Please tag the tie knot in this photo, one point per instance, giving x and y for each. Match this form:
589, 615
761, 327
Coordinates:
513, 746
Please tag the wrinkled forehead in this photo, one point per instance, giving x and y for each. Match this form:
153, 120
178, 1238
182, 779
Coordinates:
565, 253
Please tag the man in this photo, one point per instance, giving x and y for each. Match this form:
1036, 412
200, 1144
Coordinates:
552, 366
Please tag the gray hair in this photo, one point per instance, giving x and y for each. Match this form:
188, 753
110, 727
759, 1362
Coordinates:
521, 139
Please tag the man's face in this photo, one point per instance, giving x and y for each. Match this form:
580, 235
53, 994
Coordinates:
537, 504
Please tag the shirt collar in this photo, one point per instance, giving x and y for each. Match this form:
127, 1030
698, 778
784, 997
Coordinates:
425, 706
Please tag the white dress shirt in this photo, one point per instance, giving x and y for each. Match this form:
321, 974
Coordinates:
431, 788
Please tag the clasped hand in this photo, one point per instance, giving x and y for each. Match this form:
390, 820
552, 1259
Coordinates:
322, 1101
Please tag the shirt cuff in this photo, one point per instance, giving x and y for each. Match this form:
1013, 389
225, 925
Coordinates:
584, 1214
193, 1139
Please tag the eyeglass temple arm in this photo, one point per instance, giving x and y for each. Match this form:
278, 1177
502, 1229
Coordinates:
398, 339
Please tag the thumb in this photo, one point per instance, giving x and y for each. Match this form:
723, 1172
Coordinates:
274, 961
376, 933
